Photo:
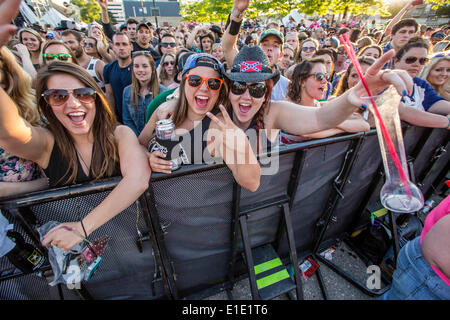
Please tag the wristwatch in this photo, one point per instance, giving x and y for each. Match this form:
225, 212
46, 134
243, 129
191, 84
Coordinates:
235, 13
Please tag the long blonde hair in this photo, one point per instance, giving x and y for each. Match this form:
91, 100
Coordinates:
426, 71
135, 84
17, 84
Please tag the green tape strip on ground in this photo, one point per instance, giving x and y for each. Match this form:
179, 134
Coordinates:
273, 278
380, 212
267, 265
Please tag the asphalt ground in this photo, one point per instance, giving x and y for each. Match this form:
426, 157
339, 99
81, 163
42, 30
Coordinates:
337, 287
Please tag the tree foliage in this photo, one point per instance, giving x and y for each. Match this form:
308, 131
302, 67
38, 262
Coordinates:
89, 10
213, 10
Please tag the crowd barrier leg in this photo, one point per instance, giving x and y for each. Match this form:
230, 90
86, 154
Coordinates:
159, 248
273, 278
339, 184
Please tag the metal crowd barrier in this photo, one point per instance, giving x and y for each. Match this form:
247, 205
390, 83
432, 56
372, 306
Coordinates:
181, 239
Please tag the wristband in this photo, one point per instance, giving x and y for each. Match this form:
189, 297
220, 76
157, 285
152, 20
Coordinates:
235, 27
448, 126
235, 13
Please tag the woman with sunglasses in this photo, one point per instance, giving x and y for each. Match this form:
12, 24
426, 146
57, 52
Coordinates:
308, 48
96, 31
18, 176
82, 142
143, 88
55, 50
309, 85
90, 47
413, 57
207, 132
167, 71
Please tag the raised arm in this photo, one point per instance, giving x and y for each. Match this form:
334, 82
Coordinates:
396, 19
285, 115
20, 138
231, 33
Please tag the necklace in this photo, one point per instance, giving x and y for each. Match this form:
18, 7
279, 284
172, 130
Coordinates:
83, 162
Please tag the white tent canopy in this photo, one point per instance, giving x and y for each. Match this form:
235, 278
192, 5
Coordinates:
53, 17
27, 13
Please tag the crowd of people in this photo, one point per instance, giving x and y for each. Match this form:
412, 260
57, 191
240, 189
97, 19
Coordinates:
80, 105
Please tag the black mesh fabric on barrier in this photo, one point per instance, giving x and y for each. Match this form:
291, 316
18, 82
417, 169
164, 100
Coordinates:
322, 164
124, 272
197, 224
362, 175
262, 224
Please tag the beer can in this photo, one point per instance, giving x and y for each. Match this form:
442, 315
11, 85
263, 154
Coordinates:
165, 129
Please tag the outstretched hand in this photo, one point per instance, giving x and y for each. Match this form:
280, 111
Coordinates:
378, 80
9, 10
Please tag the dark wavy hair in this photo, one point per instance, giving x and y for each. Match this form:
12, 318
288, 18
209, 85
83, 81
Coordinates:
300, 74
105, 157
414, 42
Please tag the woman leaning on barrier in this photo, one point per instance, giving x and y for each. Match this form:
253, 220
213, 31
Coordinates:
81, 142
411, 115
199, 109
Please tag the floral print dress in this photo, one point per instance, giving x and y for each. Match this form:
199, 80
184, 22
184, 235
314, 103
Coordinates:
14, 169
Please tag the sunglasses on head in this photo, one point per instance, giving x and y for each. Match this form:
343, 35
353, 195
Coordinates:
167, 44
256, 90
308, 48
319, 76
196, 81
411, 60
57, 97
136, 53
88, 44
59, 56
166, 63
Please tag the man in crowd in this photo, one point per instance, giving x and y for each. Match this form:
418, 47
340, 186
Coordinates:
94, 66
131, 28
117, 74
401, 32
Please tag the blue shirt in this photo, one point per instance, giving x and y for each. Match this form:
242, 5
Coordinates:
389, 64
118, 78
135, 119
423, 95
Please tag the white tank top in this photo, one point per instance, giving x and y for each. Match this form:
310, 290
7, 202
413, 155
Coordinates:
91, 70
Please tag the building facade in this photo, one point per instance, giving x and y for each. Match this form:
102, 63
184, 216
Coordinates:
163, 13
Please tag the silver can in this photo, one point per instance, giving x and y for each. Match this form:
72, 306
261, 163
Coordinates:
165, 129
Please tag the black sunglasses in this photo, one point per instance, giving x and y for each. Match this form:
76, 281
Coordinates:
88, 44
167, 44
166, 63
57, 97
411, 60
319, 76
256, 90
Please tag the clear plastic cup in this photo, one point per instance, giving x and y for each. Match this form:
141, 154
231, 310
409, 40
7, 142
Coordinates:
396, 194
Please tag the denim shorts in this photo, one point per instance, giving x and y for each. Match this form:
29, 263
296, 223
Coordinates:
414, 279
